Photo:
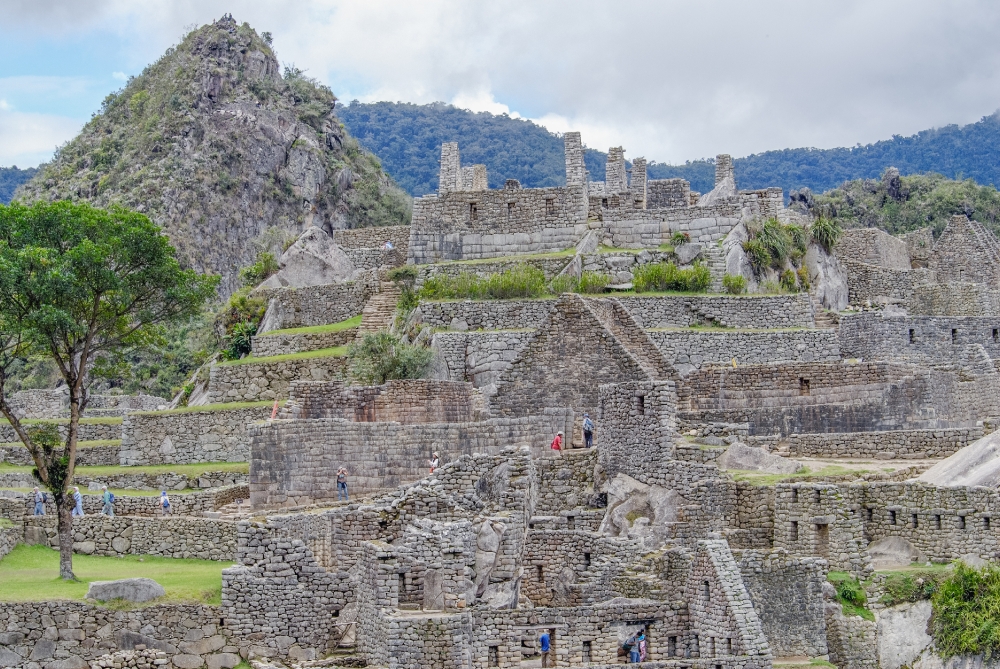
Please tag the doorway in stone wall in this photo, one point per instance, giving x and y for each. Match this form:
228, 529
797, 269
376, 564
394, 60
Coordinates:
822, 539
531, 647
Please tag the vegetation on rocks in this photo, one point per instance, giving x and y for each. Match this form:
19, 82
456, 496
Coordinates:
215, 145
850, 595
666, 276
520, 281
382, 356
966, 607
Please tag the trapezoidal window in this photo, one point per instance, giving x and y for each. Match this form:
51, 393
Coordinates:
550, 207
961, 522
892, 517
954, 336
587, 645
996, 335
510, 209
913, 335
803, 386
493, 657
793, 531
473, 211
604, 202
640, 404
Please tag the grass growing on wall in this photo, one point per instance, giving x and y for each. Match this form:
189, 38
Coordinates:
912, 584
850, 595
31, 573
521, 281
966, 607
225, 406
336, 351
352, 322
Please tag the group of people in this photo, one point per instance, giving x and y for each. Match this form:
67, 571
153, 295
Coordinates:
588, 436
107, 497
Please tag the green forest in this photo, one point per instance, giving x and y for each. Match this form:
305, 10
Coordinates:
10, 179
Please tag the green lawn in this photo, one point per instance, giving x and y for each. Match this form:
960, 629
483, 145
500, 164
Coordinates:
216, 407
31, 573
190, 470
336, 351
762, 479
318, 329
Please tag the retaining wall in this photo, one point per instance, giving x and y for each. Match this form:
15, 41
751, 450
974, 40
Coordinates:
209, 435
888, 445
269, 379
479, 357
697, 347
280, 344
315, 305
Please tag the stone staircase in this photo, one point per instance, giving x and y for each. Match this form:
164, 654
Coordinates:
715, 258
824, 318
378, 312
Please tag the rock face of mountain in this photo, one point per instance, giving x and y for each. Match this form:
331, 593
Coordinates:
216, 146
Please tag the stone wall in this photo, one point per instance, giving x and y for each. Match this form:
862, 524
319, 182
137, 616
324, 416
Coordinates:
51, 404
67, 635
667, 193
316, 305
373, 237
873, 246
648, 228
817, 519
10, 537
787, 594
887, 445
18, 506
17, 454
281, 344
851, 640
175, 537
636, 428
411, 401
479, 357
486, 314
966, 252
699, 347
953, 299
295, 462
762, 312
210, 434
250, 380
878, 285
548, 265
90, 430
925, 340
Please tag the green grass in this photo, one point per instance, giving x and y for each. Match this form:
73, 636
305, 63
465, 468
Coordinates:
226, 406
965, 607
190, 470
761, 479
565, 253
80, 444
336, 351
318, 329
913, 583
31, 573
4, 523
850, 595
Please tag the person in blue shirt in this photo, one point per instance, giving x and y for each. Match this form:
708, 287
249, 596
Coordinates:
78, 499
546, 648
39, 502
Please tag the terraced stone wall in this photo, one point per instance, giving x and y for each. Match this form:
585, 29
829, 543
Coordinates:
378, 456
175, 537
269, 379
10, 537
699, 347
88, 431
316, 305
760, 312
409, 401
953, 299
873, 246
549, 266
373, 237
16, 454
870, 283
281, 344
486, 314
925, 340
887, 445
65, 634
218, 435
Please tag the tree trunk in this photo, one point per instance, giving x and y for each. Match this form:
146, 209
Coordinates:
65, 514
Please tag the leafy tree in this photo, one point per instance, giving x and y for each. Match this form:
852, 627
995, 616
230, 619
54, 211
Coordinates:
84, 287
382, 356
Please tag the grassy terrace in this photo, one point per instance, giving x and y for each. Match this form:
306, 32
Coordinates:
318, 329
191, 471
80, 444
336, 351
103, 420
719, 328
225, 406
566, 253
31, 573
826, 473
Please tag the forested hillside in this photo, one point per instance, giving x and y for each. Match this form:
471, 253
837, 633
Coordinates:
10, 179
408, 140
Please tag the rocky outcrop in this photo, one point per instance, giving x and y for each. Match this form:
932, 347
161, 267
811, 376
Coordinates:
978, 464
217, 147
313, 260
128, 589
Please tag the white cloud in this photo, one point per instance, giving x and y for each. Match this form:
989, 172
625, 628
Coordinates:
120, 76
668, 79
29, 139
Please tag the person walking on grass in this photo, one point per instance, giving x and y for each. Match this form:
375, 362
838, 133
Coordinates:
108, 498
342, 484
164, 503
39, 502
557, 443
588, 431
78, 500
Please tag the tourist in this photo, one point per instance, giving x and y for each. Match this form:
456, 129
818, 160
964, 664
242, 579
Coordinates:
543, 642
108, 498
557, 443
39, 502
435, 461
342, 484
642, 645
387, 246
588, 431
78, 500
633, 652
164, 503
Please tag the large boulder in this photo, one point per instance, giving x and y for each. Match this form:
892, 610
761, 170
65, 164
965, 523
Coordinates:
893, 552
978, 464
828, 277
129, 589
687, 253
640, 511
724, 190
313, 260
755, 459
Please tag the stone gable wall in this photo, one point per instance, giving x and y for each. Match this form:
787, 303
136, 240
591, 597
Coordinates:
269, 379
966, 252
870, 283
873, 246
189, 436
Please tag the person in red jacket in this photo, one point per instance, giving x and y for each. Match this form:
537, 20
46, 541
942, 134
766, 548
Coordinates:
557, 443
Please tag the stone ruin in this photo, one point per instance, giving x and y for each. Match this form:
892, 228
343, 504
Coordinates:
746, 446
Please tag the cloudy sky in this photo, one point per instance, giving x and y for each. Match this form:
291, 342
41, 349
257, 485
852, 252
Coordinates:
671, 81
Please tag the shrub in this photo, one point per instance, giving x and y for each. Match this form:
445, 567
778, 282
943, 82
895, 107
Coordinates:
825, 232
789, 281
758, 254
382, 356
679, 238
776, 240
265, 266
564, 283
242, 307
850, 595
593, 282
798, 236
803, 273
238, 342
965, 609
734, 284
667, 277
405, 277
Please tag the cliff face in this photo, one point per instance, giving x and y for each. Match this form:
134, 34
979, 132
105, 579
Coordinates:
216, 146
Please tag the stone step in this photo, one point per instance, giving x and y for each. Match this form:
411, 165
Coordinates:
380, 309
